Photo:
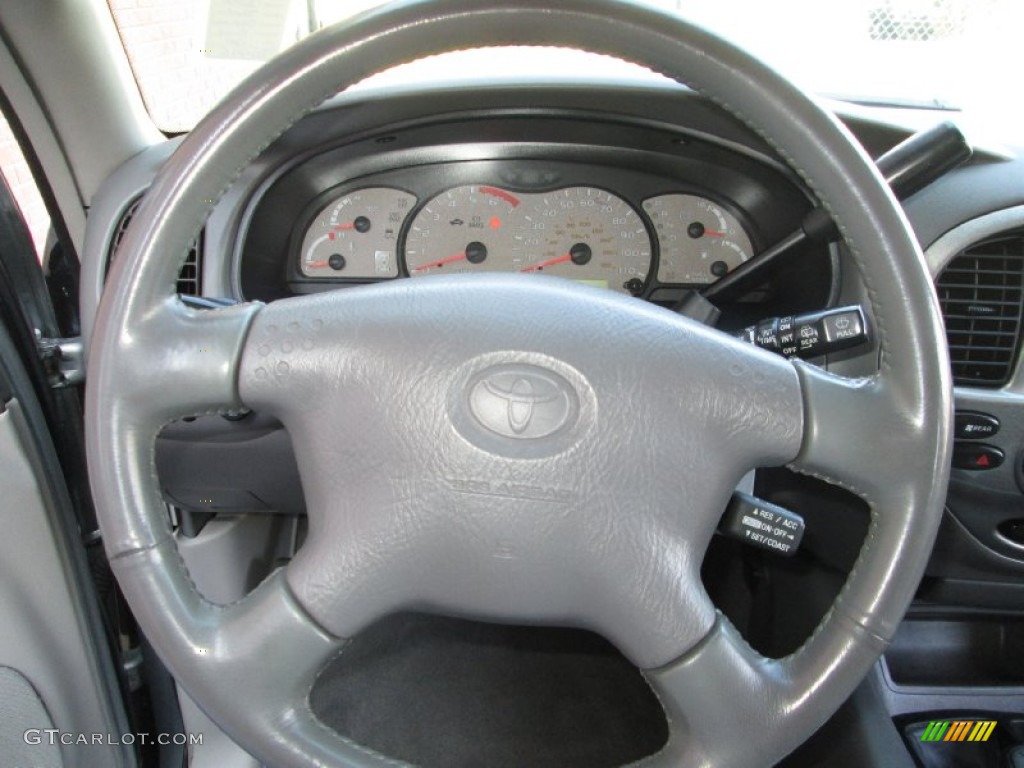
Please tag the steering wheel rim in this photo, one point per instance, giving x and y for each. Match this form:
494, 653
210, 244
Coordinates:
153, 360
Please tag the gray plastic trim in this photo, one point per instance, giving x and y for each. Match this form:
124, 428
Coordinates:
113, 198
23, 712
101, 120
943, 250
43, 633
224, 560
45, 144
1005, 403
909, 700
646, 422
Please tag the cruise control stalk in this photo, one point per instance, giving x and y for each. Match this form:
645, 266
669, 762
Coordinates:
762, 524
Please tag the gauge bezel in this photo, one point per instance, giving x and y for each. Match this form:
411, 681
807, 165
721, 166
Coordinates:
419, 210
427, 181
632, 160
308, 218
654, 256
728, 209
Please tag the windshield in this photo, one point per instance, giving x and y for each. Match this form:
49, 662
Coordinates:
937, 54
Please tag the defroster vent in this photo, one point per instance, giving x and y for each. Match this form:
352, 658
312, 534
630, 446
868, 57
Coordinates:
190, 278
981, 292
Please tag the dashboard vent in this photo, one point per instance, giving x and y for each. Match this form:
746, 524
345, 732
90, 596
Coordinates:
190, 278
981, 292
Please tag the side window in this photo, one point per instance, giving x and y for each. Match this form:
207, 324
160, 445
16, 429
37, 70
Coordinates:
16, 172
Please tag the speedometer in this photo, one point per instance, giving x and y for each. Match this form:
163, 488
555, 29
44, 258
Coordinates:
589, 235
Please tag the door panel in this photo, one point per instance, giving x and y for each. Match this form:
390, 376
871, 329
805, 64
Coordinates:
48, 637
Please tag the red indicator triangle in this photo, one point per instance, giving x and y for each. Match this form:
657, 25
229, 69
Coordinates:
982, 461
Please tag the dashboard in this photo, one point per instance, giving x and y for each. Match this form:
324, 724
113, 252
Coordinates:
647, 191
654, 193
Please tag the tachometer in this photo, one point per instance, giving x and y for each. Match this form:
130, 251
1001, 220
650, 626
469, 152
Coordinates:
589, 235
356, 235
700, 241
466, 229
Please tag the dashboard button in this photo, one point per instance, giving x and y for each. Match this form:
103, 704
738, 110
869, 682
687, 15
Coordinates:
976, 456
974, 426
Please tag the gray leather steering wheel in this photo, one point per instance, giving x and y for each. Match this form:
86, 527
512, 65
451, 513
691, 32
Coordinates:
594, 505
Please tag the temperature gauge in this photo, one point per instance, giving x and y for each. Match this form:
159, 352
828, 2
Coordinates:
356, 235
700, 241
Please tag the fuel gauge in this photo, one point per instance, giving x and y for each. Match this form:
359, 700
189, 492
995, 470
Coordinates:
356, 235
700, 241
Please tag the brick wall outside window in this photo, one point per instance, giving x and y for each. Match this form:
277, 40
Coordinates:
164, 40
19, 178
179, 78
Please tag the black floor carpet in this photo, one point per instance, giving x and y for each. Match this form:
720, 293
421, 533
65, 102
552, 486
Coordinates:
448, 693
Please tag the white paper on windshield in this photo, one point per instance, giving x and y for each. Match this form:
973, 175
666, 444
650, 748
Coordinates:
249, 29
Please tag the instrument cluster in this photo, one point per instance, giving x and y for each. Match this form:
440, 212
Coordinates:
579, 232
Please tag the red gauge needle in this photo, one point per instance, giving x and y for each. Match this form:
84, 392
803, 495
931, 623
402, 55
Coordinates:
314, 264
548, 263
339, 228
714, 233
439, 262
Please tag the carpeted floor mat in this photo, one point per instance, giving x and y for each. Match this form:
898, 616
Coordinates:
449, 693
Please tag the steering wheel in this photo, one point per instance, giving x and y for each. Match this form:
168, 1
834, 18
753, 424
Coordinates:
515, 448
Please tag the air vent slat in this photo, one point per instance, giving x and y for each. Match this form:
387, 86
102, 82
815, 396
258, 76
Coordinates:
977, 348
976, 319
981, 293
994, 277
986, 363
989, 303
190, 277
967, 270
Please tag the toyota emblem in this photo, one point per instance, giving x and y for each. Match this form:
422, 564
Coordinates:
521, 402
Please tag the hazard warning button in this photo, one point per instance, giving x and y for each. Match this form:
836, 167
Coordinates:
977, 456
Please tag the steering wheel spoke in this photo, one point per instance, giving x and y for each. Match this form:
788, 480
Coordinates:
181, 361
855, 433
725, 701
865, 435
171, 362
256, 658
